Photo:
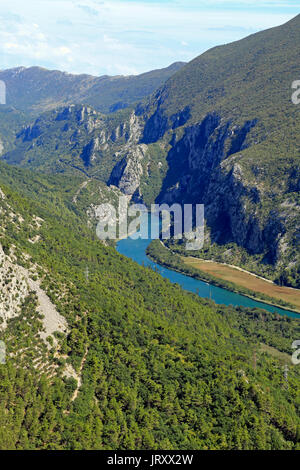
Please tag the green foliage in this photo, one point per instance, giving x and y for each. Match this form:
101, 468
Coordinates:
160, 368
290, 277
72, 140
11, 121
154, 171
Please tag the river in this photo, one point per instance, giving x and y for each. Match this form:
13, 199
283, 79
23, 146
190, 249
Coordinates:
136, 250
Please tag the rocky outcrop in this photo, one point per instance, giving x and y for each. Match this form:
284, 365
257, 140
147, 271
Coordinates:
127, 174
31, 132
17, 282
239, 135
75, 139
200, 171
155, 127
158, 123
193, 158
228, 210
181, 118
204, 168
14, 289
89, 152
134, 129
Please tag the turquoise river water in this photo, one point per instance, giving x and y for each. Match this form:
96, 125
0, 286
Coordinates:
136, 250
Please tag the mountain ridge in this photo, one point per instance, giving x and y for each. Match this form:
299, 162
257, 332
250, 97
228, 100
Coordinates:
104, 354
227, 128
36, 89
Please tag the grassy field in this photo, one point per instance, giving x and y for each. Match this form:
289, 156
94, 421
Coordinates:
244, 279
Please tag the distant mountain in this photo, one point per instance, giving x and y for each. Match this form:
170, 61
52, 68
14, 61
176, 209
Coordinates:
78, 140
34, 90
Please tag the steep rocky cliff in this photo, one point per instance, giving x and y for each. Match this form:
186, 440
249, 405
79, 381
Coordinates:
227, 130
250, 199
76, 139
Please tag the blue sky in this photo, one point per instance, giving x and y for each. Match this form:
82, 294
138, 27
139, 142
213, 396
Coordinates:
121, 37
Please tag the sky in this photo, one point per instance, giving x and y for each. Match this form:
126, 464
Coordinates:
125, 37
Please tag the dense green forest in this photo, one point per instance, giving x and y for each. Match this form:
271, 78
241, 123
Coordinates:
159, 368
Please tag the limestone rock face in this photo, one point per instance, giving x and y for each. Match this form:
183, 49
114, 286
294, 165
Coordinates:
31, 132
89, 152
128, 172
155, 127
204, 167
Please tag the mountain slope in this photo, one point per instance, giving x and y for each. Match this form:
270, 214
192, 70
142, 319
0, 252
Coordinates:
34, 90
228, 132
140, 364
11, 122
244, 80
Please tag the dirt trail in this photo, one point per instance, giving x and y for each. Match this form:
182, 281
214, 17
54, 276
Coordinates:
83, 185
229, 265
244, 278
78, 376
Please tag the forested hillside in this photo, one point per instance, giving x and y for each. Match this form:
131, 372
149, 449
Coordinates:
76, 140
32, 91
11, 121
135, 362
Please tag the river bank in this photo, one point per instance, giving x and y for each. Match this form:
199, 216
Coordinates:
137, 251
165, 257
245, 279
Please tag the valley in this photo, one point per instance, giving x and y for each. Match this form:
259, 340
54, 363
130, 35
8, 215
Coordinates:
134, 344
209, 283
232, 147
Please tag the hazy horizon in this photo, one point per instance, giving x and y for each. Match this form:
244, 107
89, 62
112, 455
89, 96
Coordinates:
125, 37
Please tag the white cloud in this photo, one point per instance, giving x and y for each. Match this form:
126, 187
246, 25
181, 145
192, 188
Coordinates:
122, 36
63, 51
